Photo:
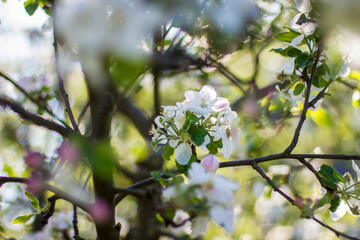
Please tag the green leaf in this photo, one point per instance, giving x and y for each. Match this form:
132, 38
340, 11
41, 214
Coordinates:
155, 175
31, 6
197, 134
293, 52
281, 51
302, 19
190, 119
212, 147
335, 202
330, 177
22, 219
303, 60
286, 36
34, 202
324, 200
168, 152
299, 89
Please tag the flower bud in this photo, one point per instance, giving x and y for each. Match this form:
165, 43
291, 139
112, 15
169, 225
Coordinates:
210, 163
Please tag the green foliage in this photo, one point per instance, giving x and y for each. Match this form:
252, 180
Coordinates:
168, 152
286, 36
330, 178
34, 202
23, 219
197, 134
304, 60
31, 6
299, 89
334, 203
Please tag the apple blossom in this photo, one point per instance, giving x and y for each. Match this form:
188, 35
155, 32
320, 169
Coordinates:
203, 119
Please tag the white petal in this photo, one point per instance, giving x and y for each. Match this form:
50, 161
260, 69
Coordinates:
208, 93
296, 41
288, 66
199, 226
183, 153
173, 143
197, 174
356, 169
339, 213
221, 104
224, 216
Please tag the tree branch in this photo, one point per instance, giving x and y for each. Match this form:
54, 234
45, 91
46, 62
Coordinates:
292, 202
42, 106
35, 119
308, 80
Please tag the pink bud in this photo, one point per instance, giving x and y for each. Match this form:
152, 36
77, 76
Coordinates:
69, 152
34, 160
35, 184
210, 163
100, 211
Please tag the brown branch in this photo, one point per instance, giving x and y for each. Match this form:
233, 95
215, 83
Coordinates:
308, 80
245, 162
129, 191
35, 119
42, 106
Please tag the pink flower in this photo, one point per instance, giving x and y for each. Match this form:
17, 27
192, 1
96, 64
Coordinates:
210, 163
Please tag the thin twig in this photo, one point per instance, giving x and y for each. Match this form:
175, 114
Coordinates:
292, 202
60, 79
263, 174
336, 232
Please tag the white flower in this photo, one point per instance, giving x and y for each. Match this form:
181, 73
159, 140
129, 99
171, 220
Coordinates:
199, 226
224, 216
219, 193
306, 28
107, 26
226, 129
205, 101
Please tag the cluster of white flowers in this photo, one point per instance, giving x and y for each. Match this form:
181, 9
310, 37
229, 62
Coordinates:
349, 194
201, 119
215, 190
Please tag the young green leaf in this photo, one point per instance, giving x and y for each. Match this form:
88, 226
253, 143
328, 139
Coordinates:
168, 152
22, 219
330, 177
34, 202
298, 89
31, 6
335, 202
286, 36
